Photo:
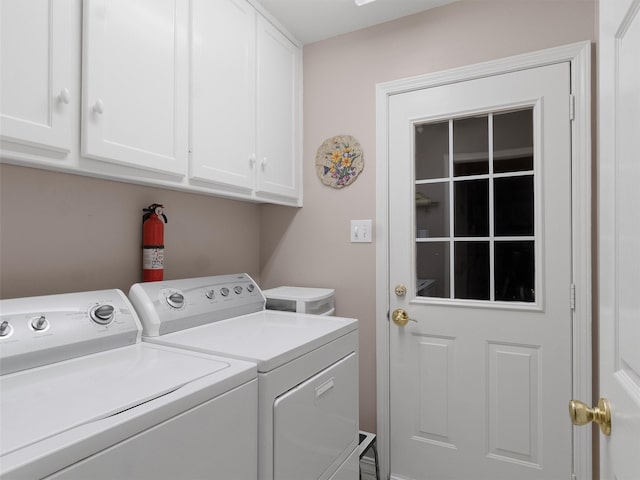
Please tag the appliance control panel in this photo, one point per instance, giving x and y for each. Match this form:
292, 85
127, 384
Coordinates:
38, 331
173, 305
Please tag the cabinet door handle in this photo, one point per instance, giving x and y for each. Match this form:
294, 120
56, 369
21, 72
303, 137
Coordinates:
98, 107
64, 96
264, 162
252, 160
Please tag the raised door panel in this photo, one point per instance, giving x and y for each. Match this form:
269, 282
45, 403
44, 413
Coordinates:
39, 44
222, 122
135, 83
278, 113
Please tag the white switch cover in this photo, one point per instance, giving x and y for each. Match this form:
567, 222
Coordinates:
361, 231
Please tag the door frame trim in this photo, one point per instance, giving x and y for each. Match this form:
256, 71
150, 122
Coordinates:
579, 57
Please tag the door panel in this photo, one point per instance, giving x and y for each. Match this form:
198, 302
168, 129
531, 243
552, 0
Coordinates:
480, 232
619, 230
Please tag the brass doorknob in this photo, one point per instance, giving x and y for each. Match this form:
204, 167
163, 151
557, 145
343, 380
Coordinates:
581, 414
400, 317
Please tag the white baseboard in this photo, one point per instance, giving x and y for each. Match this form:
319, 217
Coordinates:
368, 468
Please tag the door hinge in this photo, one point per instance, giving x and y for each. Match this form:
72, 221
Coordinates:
572, 107
572, 297
574, 476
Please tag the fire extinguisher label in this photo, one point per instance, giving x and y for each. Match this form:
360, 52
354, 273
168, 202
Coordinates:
153, 258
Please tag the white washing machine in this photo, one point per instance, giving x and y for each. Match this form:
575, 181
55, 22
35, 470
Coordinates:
307, 368
81, 397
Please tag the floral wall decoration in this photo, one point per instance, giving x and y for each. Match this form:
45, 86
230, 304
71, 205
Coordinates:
339, 161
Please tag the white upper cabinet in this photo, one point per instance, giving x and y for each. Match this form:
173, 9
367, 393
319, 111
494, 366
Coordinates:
278, 113
222, 126
40, 57
135, 83
245, 77
196, 95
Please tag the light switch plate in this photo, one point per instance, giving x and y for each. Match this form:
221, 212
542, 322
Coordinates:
361, 231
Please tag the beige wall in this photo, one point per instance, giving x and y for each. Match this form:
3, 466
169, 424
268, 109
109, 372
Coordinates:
310, 247
63, 233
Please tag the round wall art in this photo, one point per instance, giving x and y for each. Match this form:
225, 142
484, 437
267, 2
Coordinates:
339, 161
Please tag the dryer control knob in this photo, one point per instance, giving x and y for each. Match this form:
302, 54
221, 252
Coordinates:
5, 328
175, 300
39, 323
237, 289
210, 294
224, 291
102, 314
251, 287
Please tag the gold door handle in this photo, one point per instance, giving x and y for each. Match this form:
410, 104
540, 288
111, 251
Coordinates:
581, 414
400, 317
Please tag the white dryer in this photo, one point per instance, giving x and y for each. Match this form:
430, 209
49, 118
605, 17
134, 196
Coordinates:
307, 368
81, 397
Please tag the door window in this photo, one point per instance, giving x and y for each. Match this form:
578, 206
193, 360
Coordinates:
474, 207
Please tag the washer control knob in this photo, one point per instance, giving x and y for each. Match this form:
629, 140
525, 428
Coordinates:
102, 314
175, 300
5, 328
224, 291
251, 287
210, 294
39, 323
237, 289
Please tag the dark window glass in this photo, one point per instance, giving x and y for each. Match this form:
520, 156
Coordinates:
513, 141
432, 210
513, 206
432, 269
471, 217
515, 271
470, 146
432, 150
472, 270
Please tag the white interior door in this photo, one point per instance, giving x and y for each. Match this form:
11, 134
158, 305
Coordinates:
619, 231
480, 235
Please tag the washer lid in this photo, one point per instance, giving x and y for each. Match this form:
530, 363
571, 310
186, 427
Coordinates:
42, 402
269, 338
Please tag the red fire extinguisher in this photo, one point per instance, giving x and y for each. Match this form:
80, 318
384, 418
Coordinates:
153, 243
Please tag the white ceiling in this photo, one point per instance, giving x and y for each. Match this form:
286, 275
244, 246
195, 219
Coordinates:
313, 20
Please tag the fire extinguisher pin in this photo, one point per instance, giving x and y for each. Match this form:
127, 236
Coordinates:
154, 208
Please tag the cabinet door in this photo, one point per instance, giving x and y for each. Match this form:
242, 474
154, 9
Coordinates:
40, 55
278, 113
222, 103
135, 83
